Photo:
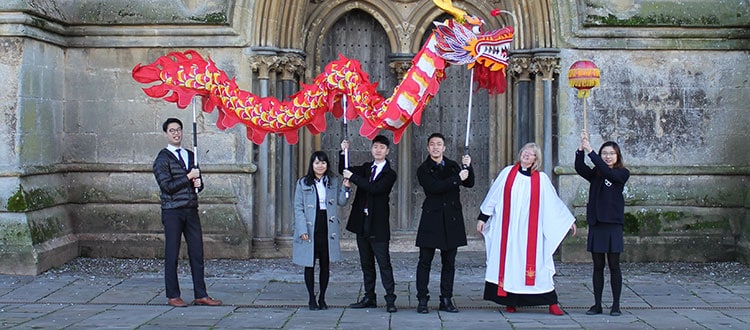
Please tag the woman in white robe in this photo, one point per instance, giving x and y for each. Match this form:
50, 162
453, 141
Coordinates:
523, 221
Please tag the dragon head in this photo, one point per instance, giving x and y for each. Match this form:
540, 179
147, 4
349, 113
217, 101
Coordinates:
491, 49
461, 41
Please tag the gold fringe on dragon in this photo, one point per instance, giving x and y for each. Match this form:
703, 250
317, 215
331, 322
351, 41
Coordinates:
457, 41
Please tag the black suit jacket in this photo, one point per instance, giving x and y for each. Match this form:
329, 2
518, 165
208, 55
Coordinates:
442, 223
375, 196
606, 203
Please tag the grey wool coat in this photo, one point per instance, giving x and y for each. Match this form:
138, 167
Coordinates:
305, 200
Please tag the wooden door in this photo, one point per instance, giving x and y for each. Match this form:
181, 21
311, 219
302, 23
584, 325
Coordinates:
359, 36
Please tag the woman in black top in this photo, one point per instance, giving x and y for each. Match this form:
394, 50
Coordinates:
605, 215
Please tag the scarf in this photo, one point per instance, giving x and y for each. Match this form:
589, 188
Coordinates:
533, 229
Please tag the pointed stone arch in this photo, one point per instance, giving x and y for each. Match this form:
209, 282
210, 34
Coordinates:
524, 112
317, 27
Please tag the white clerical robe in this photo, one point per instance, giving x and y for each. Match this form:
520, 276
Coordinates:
554, 222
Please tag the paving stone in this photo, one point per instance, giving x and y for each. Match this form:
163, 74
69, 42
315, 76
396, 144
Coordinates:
276, 298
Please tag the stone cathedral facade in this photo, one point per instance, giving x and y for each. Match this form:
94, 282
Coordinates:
78, 136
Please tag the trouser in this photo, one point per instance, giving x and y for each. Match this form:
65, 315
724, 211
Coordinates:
179, 222
369, 251
447, 273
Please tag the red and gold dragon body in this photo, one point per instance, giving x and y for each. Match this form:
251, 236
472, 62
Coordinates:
458, 41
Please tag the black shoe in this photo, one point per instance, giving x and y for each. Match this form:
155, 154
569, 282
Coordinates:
391, 308
365, 303
594, 310
615, 311
447, 305
322, 304
422, 306
312, 304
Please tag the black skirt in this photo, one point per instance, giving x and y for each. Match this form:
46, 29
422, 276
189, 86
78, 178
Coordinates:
605, 238
516, 299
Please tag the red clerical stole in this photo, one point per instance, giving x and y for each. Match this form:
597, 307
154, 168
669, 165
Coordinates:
532, 232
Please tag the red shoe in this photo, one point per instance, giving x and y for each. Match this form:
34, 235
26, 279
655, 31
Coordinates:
510, 309
554, 309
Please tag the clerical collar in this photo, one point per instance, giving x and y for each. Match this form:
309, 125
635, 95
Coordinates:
526, 172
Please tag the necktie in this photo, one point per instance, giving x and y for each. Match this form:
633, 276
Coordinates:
372, 174
182, 160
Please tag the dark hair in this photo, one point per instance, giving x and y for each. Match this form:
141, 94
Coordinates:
436, 135
169, 121
323, 157
619, 163
382, 139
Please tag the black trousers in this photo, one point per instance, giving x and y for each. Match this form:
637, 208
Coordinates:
369, 251
447, 273
179, 222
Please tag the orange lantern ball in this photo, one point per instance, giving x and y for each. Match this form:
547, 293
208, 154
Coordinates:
583, 75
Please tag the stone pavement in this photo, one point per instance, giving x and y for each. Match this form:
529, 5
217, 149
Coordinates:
270, 294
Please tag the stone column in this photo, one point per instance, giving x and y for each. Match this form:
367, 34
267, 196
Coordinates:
265, 220
547, 66
399, 66
519, 70
290, 66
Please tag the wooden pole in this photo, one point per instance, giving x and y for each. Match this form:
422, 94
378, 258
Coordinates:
585, 123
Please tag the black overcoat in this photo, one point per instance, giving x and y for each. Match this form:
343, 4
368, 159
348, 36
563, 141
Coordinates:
442, 223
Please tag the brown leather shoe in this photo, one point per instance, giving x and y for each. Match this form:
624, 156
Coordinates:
176, 302
207, 301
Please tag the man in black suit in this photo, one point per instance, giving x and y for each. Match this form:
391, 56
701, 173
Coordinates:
179, 182
370, 219
442, 223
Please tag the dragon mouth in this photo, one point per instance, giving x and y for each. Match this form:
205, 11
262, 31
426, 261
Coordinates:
495, 51
491, 50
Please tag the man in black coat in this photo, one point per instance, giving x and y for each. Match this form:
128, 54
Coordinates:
370, 219
179, 182
442, 223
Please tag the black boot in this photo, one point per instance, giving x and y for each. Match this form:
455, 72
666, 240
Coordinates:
446, 304
422, 306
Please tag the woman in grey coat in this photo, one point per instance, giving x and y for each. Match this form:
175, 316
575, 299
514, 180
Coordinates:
316, 224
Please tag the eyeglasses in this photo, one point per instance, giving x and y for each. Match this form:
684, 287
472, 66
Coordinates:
613, 153
528, 153
174, 130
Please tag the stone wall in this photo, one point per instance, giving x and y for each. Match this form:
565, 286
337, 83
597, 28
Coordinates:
35, 227
674, 95
77, 134
115, 133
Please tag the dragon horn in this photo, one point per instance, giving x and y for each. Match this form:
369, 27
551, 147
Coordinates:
447, 6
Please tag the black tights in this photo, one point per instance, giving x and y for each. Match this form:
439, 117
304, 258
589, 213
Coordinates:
325, 274
613, 260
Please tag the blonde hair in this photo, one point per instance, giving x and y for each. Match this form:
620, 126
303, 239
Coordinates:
538, 152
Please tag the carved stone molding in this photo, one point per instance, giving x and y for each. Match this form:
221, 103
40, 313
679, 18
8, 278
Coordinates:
405, 32
290, 65
263, 65
400, 67
519, 67
548, 66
